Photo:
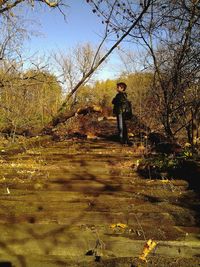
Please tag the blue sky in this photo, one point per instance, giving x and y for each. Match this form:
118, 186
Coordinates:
80, 25
55, 33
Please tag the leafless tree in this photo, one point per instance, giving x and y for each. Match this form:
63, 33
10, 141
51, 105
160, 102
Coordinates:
9, 5
23, 95
169, 35
172, 38
112, 7
76, 63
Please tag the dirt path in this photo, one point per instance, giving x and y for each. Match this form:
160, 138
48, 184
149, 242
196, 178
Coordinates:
61, 201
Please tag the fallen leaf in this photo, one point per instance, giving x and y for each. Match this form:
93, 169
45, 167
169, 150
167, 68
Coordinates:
118, 225
150, 244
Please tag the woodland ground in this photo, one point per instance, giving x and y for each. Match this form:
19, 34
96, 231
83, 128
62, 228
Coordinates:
61, 200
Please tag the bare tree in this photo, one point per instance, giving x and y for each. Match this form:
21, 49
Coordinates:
173, 43
76, 63
23, 95
138, 12
9, 5
169, 35
13, 33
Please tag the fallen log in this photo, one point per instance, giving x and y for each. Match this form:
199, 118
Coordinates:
64, 116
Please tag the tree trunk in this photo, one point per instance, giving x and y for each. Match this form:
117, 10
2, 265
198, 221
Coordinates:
195, 127
64, 116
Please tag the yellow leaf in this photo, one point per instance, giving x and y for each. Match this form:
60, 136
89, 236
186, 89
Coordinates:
150, 244
119, 225
166, 181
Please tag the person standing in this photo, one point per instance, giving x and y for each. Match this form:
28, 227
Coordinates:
119, 102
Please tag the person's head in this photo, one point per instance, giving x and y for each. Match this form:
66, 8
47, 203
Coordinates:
121, 87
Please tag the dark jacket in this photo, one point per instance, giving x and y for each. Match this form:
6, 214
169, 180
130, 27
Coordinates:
119, 103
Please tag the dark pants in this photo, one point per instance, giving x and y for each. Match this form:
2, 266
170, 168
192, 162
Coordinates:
122, 128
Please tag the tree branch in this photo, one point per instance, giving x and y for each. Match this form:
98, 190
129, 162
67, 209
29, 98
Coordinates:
107, 54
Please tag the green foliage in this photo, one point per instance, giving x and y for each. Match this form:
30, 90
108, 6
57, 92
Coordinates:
161, 163
139, 85
158, 164
190, 151
102, 92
